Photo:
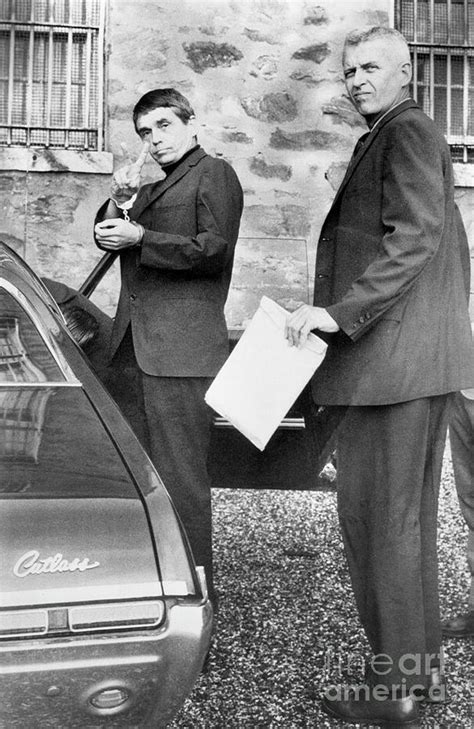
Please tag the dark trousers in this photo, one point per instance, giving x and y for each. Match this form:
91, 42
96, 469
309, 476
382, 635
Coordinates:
461, 435
173, 423
389, 469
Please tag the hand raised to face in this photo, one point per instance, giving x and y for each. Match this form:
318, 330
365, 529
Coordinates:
126, 180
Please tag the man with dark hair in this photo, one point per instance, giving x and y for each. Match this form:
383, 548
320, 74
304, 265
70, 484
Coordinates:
176, 240
390, 296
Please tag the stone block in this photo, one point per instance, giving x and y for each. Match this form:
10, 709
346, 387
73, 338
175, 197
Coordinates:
203, 55
316, 16
259, 167
342, 111
277, 107
316, 53
310, 139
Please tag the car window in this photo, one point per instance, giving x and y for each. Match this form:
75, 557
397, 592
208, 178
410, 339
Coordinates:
24, 355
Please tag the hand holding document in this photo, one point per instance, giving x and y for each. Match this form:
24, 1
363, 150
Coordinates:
264, 375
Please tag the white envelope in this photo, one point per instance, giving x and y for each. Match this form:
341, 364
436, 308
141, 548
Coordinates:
263, 375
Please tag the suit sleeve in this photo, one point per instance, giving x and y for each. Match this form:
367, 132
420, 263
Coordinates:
413, 219
218, 210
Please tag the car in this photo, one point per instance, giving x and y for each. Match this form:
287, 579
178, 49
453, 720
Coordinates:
104, 617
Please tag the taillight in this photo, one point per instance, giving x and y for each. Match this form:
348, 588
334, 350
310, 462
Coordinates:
113, 616
23, 623
81, 619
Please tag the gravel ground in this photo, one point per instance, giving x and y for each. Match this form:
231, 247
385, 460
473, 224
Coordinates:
288, 627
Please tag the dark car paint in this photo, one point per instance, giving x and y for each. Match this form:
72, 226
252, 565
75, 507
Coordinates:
77, 489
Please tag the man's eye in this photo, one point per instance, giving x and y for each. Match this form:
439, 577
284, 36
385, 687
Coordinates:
348, 74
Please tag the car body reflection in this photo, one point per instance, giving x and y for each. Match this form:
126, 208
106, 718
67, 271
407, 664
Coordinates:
104, 617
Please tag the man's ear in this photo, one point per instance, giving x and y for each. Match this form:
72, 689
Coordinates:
192, 124
407, 72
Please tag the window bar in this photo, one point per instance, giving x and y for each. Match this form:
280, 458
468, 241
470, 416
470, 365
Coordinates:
448, 21
11, 80
465, 106
48, 17
467, 29
432, 64
68, 83
432, 85
415, 24
101, 80
49, 102
87, 87
415, 74
29, 83
448, 91
448, 70
431, 21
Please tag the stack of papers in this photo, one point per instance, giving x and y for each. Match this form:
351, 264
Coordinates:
264, 375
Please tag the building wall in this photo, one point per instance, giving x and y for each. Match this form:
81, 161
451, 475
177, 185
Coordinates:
264, 77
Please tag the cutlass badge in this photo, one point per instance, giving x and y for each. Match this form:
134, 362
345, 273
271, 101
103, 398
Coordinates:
31, 564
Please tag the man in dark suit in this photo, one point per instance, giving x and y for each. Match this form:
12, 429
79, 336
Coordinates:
176, 239
390, 296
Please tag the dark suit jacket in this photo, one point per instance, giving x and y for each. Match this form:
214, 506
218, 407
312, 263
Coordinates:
390, 270
175, 285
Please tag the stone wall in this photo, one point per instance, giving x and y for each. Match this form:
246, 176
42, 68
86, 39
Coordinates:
265, 81
264, 78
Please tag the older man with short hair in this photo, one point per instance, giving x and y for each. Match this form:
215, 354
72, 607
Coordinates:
390, 297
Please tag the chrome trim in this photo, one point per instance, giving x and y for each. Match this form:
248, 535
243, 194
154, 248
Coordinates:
286, 423
37, 385
60, 596
115, 622
175, 587
92, 663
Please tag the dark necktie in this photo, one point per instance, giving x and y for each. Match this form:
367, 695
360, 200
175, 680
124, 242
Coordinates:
360, 143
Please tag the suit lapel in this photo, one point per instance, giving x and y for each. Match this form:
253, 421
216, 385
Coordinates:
408, 104
155, 190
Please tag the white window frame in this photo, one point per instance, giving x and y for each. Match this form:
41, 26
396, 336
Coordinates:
54, 135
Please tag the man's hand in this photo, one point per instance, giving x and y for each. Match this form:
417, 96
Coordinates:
114, 234
126, 180
306, 318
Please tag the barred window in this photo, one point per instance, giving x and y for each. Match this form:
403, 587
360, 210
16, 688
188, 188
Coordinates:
440, 34
51, 73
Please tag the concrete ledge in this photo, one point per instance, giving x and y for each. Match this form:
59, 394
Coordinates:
31, 159
463, 174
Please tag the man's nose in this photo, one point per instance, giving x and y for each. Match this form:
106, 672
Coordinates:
156, 136
359, 77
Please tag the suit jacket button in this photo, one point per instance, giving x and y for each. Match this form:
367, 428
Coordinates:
133, 297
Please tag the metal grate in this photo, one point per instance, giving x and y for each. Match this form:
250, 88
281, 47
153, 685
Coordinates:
440, 34
51, 73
